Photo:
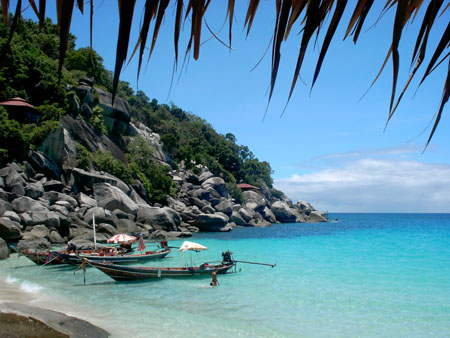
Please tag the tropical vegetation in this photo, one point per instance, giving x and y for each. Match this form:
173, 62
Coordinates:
29, 70
305, 16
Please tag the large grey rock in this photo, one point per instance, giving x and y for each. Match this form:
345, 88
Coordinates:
10, 230
106, 229
15, 183
202, 194
85, 180
111, 198
205, 175
5, 171
2, 183
41, 244
175, 204
28, 169
43, 164
208, 209
59, 145
34, 190
53, 185
197, 202
246, 214
259, 223
268, 215
23, 204
55, 238
54, 197
218, 184
12, 216
48, 218
135, 197
119, 111
304, 206
159, 234
254, 201
64, 204
20, 320
316, 216
214, 222
225, 206
82, 132
4, 206
4, 251
40, 231
126, 226
85, 200
282, 212
238, 219
159, 218
101, 216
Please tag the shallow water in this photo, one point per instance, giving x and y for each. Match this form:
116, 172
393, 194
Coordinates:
370, 275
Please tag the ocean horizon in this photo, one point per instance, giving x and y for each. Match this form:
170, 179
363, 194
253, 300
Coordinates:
364, 275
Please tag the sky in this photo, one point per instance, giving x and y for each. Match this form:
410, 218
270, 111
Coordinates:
330, 147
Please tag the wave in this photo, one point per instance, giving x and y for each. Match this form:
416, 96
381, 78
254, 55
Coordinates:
25, 286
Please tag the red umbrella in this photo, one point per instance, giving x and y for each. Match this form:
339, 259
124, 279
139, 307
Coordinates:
121, 238
141, 245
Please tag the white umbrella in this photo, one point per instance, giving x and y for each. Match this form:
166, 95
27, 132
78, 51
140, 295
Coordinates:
121, 238
191, 246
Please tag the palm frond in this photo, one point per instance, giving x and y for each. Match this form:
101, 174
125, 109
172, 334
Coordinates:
65, 10
126, 10
305, 16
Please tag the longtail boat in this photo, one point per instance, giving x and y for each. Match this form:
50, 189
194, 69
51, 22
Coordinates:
129, 273
76, 258
42, 257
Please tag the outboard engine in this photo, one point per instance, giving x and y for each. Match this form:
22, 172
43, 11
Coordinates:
227, 259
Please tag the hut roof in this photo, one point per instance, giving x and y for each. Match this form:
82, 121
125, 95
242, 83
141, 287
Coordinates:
17, 102
246, 186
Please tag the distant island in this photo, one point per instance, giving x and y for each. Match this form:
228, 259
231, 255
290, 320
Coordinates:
67, 156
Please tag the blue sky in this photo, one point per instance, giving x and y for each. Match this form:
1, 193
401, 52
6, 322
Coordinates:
328, 148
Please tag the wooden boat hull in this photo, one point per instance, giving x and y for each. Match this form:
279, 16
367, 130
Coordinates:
117, 259
129, 273
123, 259
42, 257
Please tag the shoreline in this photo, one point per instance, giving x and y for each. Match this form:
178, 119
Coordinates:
29, 294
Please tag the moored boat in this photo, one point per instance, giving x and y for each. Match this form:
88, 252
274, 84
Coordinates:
76, 258
129, 273
42, 257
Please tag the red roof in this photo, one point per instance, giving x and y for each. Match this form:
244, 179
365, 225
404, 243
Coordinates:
246, 186
17, 102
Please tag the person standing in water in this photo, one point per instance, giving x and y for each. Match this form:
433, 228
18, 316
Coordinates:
214, 281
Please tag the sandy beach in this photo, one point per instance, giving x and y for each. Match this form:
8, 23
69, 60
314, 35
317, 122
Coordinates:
28, 294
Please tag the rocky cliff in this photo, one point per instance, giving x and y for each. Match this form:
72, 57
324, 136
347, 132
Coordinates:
45, 200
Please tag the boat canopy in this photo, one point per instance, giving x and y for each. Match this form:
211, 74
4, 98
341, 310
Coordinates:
191, 246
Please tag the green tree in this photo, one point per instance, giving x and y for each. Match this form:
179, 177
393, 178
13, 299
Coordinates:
105, 161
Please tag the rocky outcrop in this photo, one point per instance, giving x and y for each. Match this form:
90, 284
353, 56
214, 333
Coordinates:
46, 200
214, 222
159, 218
282, 212
10, 230
112, 198
20, 320
4, 251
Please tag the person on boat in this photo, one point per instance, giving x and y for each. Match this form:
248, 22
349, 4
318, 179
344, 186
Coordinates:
214, 281
71, 247
125, 248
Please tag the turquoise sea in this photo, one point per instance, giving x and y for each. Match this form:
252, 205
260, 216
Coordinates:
366, 275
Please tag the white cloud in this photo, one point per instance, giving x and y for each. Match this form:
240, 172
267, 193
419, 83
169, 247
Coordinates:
373, 185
